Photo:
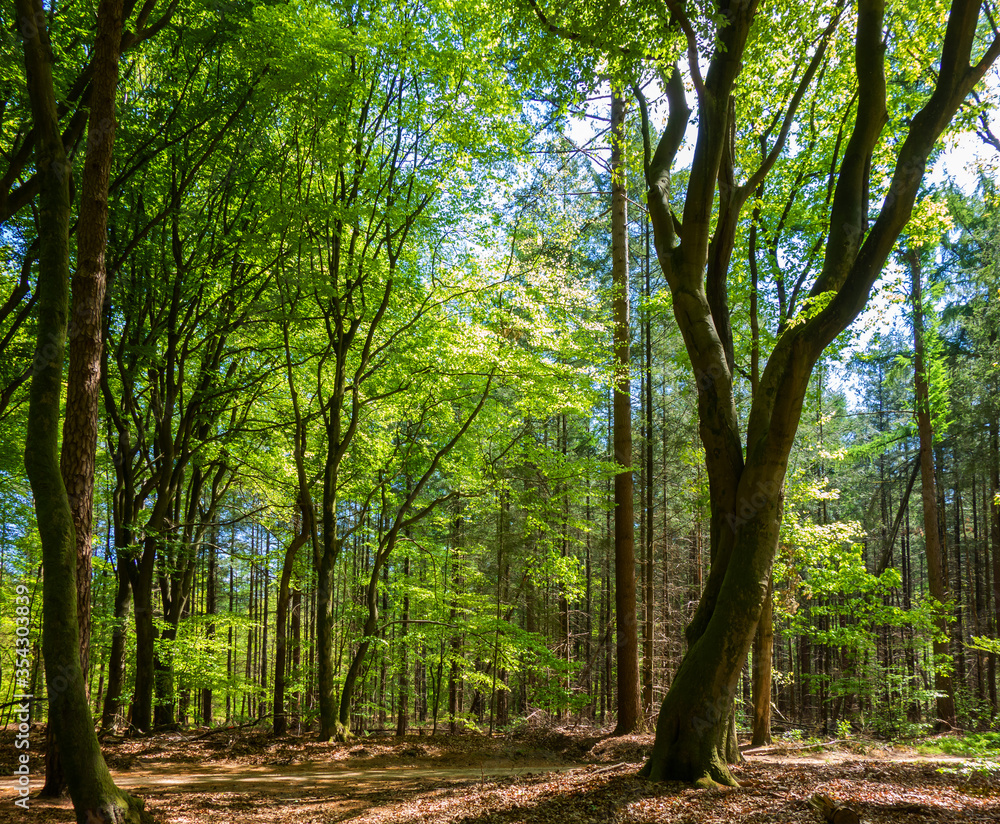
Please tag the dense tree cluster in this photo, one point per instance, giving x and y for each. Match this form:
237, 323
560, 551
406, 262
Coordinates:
411, 366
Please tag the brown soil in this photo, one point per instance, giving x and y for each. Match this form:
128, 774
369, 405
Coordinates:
560, 776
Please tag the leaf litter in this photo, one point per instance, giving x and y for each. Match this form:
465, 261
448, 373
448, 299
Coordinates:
543, 776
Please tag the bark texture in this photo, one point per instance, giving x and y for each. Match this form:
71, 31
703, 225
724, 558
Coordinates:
629, 710
745, 492
937, 578
94, 794
763, 647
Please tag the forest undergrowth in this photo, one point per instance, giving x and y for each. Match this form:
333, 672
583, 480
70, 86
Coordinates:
539, 774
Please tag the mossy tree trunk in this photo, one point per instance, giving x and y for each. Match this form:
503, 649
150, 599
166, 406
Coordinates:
94, 794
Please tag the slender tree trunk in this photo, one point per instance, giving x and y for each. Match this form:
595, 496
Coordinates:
281, 630
454, 672
647, 441
627, 645
163, 679
936, 576
116, 658
264, 593
324, 629
403, 711
994, 510
763, 646
141, 579
211, 607
296, 661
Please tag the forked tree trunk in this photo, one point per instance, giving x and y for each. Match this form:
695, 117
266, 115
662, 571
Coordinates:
693, 727
745, 483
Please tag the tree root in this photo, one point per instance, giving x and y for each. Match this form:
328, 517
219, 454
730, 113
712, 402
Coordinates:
342, 733
124, 809
713, 776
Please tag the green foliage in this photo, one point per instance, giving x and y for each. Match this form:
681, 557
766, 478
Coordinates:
980, 743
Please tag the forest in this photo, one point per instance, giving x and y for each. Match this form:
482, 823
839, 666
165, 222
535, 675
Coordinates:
492, 383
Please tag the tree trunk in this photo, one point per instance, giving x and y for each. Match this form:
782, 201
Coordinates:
79, 442
116, 658
164, 694
141, 579
648, 629
403, 710
211, 606
693, 728
281, 631
324, 631
763, 645
746, 476
936, 577
627, 646
94, 794
994, 515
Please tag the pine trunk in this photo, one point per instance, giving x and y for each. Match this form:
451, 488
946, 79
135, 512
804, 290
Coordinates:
936, 575
627, 644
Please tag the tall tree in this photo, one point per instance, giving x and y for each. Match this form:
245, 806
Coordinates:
937, 576
745, 487
79, 443
627, 646
94, 793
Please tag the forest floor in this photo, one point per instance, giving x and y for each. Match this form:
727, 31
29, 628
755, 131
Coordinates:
542, 775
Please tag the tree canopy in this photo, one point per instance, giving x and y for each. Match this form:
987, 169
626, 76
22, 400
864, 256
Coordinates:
323, 324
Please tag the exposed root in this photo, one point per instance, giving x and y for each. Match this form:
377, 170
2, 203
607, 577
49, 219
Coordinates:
124, 809
711, 776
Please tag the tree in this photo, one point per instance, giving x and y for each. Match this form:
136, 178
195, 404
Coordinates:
746, 488
627, 637
937, 575
93, 791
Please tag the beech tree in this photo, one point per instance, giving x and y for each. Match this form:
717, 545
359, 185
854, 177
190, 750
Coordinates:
746, 469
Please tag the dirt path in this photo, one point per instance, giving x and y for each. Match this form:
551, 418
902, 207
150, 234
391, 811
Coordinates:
294, 779
193, 793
